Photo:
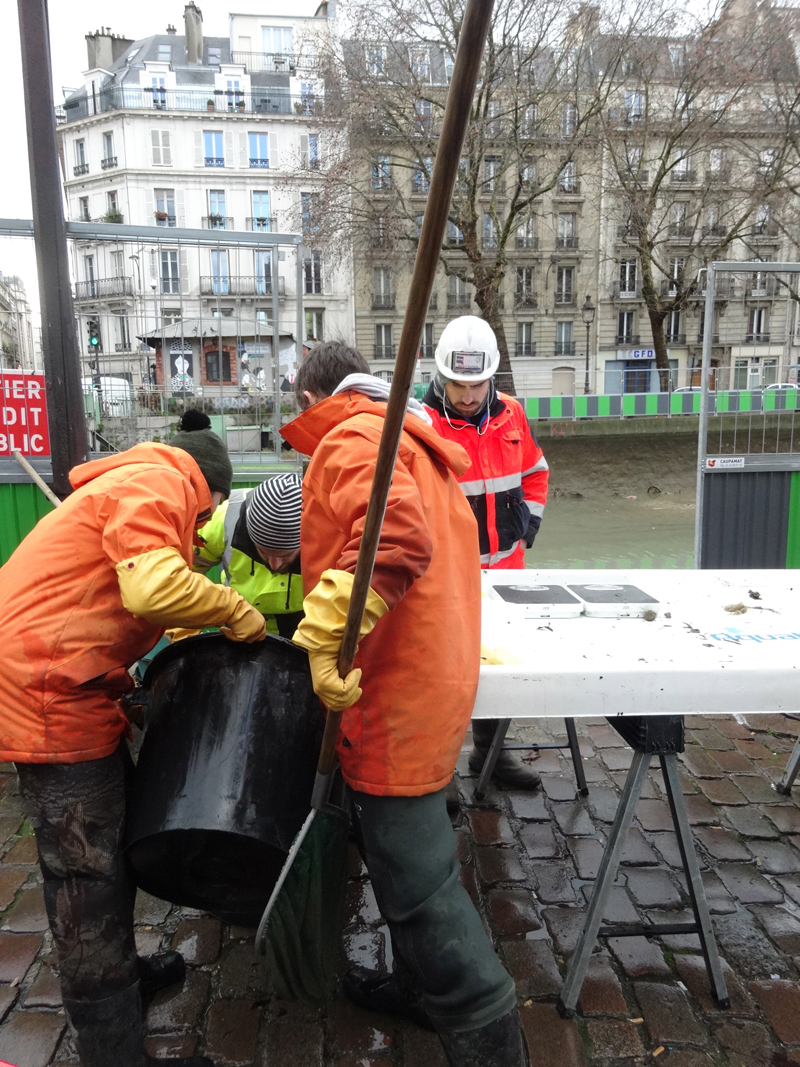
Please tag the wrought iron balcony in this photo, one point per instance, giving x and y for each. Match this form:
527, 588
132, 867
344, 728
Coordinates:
122, 346
564, 348
756, 339
567, 242
719, 176
569, 188
427, 351
765, 232
683, 177
80, 168
383, 300
103, 287
527, 241
273, 62
525, 348
458, 300
669, 287
383, 352
262, 100
259, 163
564, 299
523, 298
675, 338
433, 303
626, 294
631, 339
217, 222
624, 232
262, 223
714, 338
715, 231
236, 285
680, 229
215, 161
762, 286
108, 162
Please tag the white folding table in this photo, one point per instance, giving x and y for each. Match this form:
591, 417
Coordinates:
721, 642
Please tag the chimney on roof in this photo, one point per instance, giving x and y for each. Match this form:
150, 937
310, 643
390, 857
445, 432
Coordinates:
171, 30
103, 48
193, 21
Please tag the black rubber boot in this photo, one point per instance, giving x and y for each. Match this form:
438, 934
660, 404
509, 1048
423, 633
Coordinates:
158, 972
500, 1044
451, 797
109, 1032
509, 769
385, 993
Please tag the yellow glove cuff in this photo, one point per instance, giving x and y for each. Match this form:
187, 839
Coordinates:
325, 610
158, 586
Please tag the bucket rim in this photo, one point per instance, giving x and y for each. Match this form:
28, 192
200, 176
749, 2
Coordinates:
178, 648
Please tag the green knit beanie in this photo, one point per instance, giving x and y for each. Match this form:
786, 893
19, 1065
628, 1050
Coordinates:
211, 456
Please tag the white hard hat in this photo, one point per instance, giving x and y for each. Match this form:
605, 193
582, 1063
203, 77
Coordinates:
467, 350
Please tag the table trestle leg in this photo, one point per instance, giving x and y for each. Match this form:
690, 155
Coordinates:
792, 767
492, 757
606, 876
694, 882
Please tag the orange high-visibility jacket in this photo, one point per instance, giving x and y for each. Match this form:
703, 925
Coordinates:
420, 664
66, 640
506, 483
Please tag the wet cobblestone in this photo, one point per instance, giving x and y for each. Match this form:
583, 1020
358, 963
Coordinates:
529, 863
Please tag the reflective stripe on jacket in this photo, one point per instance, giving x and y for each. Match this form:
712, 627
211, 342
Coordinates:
273, 594
420, 664
506, 483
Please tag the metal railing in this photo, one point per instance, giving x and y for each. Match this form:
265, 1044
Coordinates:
564, 299
103, 287
715, 231
261, 223
714, 338
383, 300
564, 348
274, 62
567, 242
719, 176
526, 241
258, 164
80, 168
678, 229
383, 352
524, 299
427, 351
675, 338
525, 348
266, 100
458, 300
683, 177
627, 294
217, 222
756, 339
239, 285
214, 161
569, 188
108, 162
631, 339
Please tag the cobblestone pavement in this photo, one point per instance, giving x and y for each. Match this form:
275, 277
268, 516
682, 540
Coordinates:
528, 863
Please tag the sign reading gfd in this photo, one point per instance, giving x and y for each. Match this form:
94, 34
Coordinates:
23, 414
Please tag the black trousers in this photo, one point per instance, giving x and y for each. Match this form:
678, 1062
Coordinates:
438, 939
78, 814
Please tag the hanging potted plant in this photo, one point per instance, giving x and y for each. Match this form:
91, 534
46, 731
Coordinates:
161, 216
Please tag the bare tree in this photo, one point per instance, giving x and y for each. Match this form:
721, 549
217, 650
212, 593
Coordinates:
699, 155
534, 120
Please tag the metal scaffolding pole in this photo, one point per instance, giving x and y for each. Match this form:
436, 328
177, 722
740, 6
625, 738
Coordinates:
68, 436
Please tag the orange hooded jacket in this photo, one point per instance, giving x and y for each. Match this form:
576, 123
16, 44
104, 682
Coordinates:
66, 639
420, 664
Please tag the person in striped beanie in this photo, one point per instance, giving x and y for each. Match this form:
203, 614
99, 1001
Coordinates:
255, 538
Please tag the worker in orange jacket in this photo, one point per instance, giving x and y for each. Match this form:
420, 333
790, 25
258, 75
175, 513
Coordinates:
88, 592
505, 484
408, 699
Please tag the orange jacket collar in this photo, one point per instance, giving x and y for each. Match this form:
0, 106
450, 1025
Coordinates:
149, 452
306, 431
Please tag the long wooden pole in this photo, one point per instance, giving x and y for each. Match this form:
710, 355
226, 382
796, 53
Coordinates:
466, 70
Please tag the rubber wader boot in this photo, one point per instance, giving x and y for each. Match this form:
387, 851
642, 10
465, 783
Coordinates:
158, 972
509, 769
500, 1044
385, 993
109, 1033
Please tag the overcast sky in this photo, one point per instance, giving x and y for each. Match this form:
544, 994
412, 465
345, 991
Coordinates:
69, 22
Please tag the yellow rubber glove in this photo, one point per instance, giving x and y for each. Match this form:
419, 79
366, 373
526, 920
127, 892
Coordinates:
159, 587
321, 633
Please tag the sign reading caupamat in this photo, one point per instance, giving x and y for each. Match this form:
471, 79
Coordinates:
23, 414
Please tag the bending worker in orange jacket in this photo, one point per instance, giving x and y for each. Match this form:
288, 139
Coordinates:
88, 592
408, 700
505, 484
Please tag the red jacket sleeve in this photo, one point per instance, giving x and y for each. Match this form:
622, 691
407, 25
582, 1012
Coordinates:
346, 459
535, 471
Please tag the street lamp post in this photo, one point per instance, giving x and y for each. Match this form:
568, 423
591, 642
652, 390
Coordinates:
587, 313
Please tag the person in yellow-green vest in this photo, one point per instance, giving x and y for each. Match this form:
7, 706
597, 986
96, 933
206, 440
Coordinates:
255, 538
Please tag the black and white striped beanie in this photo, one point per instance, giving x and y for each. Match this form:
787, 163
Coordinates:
273, 513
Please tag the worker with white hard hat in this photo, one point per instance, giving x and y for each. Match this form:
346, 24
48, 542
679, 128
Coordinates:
506, 483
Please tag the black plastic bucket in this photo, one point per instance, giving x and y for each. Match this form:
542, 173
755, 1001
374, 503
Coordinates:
224, 777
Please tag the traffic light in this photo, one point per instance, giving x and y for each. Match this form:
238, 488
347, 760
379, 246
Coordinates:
94, 335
